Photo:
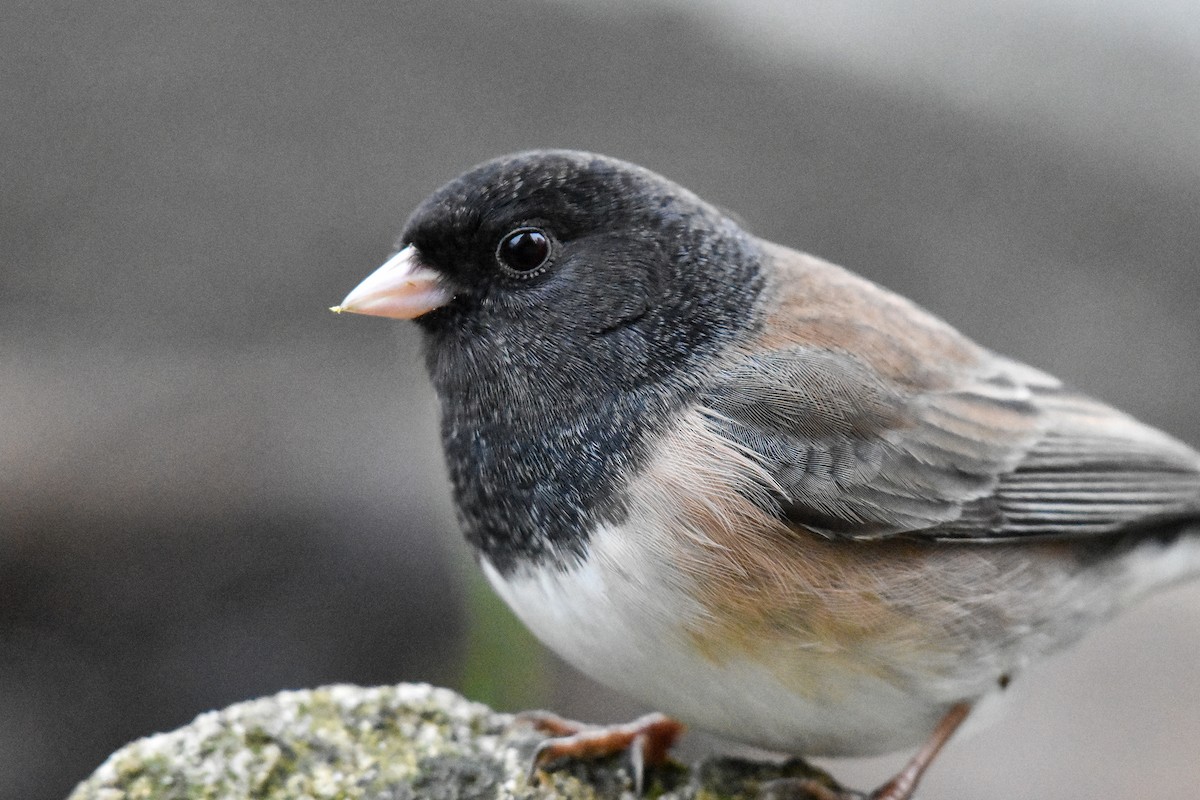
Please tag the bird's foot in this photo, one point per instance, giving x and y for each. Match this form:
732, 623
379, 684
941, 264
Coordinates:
647, 740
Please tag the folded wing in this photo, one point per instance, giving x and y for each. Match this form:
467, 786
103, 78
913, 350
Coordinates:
999, 452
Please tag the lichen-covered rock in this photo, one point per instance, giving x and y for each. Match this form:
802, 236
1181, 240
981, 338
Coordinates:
389, 743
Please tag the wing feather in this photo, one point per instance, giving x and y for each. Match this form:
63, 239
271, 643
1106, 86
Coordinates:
874, 418
1006, 453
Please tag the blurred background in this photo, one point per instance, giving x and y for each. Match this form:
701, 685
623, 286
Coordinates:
212, 489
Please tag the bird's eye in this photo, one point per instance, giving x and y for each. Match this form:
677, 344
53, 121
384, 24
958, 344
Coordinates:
524, 252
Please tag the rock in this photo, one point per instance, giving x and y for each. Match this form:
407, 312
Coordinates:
388, 743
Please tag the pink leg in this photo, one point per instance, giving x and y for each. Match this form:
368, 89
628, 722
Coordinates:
905, 783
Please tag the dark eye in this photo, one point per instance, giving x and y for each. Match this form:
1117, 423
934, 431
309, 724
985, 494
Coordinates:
524, 251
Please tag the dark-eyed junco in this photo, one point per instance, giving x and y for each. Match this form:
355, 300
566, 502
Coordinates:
750, 488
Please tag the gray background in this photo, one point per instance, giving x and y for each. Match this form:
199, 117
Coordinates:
211, 488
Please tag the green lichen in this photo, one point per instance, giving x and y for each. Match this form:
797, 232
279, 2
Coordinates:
405, 742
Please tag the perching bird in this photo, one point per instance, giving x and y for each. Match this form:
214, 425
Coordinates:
750, 488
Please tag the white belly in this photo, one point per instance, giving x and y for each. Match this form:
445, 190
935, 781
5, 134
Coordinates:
867, 650
617, 619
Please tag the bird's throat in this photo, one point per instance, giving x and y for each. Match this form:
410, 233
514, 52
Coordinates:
531, 486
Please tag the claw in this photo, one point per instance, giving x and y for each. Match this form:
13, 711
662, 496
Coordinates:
637, 762
647, 740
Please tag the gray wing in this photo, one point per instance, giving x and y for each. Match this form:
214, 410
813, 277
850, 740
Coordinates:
999, 452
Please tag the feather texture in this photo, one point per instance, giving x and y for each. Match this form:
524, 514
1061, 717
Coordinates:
970, 447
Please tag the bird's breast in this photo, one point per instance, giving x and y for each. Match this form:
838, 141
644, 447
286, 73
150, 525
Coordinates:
693, 606
629, 617
702, 605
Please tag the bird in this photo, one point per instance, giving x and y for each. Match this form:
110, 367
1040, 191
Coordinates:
745, 486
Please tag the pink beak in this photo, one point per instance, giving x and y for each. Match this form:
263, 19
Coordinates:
403, 288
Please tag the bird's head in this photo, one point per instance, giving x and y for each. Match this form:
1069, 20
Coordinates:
565, 272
